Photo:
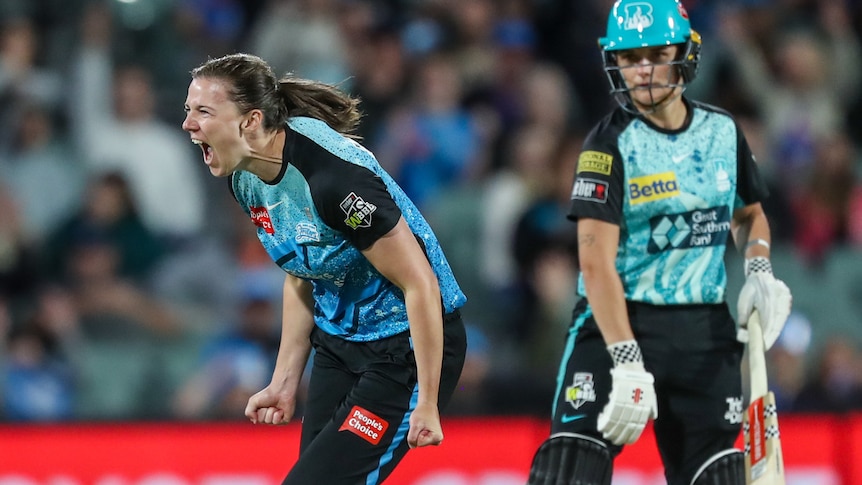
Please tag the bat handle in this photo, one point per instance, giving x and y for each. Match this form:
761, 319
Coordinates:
756, 357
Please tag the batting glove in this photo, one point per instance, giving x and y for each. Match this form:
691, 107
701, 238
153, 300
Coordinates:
632, 402
766, 294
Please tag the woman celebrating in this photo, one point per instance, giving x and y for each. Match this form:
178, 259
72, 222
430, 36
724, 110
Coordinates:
367, 285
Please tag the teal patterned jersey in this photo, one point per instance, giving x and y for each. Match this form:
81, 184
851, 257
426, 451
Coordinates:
330, 201
673, 194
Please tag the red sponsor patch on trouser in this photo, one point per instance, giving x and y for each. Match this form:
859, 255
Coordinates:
365, 424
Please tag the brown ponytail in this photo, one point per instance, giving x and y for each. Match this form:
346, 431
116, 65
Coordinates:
251, 84
304, 97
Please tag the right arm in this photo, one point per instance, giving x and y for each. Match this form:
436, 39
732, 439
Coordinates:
276, 403
623, 418
597, 249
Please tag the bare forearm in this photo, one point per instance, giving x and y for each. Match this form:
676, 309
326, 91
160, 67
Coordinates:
426, 329
607, 300
296, 327
597, 244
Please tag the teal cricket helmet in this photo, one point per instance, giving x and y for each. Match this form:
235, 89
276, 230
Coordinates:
634, 24
646, 23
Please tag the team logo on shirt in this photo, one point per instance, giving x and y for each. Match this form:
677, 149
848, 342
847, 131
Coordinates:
582, 390
653, 187
365, 424
693, 229
357, 210
306, 232
597, 162
590, 189
260, 218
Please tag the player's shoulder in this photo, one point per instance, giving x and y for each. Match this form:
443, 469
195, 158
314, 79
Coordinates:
608, 128
710, 109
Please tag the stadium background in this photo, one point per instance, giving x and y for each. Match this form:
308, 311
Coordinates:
135, 301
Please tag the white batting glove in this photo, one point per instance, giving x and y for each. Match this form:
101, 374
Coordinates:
633, 401
766, 294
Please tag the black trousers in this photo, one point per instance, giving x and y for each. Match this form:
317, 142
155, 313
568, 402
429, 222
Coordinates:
360, 397
693, 353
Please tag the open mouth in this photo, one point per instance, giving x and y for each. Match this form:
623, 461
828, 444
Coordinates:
207, 150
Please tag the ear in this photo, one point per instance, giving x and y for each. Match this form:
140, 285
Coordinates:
252, 121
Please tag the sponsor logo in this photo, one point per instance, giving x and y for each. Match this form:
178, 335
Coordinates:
273, 206
568, 418
733, 415
590, 189
653, 187
365, 424
260, 218
676, 159
597, 162
693, 229
638, 16
357, 210
306, 232
637, 395
582, 390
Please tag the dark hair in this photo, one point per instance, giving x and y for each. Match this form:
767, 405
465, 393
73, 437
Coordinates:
253, 85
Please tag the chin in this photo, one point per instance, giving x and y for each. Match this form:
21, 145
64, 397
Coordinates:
218, 172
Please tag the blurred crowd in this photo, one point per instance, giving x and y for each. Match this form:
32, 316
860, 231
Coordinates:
133, 288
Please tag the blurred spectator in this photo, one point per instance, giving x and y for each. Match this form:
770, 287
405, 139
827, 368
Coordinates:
108, 212
506, 194
107, 300
19, 266
545, 251
380, 79
475, 49
514, 42
548, 100
302, 37
235, 365
799, 83
836, 384
431, 142
827, 207
22, 81
121, 133
37, 387
40, 162
216, 23
786, 361
39, 370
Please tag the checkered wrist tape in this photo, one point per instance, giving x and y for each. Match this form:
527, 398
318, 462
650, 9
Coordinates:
626, 352
757, 264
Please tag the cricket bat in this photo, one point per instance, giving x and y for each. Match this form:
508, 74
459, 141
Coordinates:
764, 463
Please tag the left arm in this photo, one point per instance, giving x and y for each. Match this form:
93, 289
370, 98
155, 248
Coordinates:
398, 256
749, 225
761, 290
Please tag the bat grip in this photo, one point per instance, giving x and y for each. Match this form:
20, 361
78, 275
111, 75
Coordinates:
756, 358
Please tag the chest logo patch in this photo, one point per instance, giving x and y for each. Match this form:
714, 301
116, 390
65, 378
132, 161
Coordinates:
653, 187
365, 424
590, 189
358, 211
307, 232
597, 162
260, 218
